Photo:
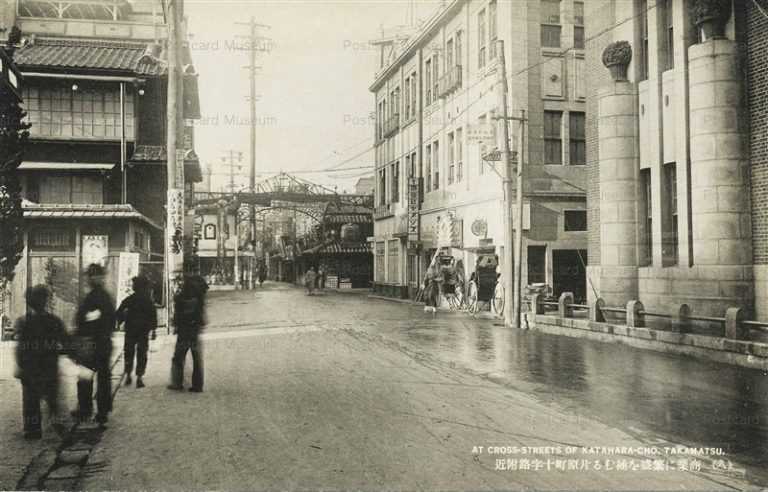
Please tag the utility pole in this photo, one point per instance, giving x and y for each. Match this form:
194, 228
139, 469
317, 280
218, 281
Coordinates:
517, 288
507, 183
253, 41
174, 256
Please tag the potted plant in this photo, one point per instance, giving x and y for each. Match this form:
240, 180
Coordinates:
710, 17
616, 58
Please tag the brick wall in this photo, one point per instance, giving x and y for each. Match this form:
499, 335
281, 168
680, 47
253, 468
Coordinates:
599, 15
757, 93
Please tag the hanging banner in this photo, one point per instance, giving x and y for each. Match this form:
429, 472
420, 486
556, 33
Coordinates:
95, 250
127, 269
413, 210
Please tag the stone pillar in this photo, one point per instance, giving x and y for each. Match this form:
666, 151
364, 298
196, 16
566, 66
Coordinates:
619, 168
722, 230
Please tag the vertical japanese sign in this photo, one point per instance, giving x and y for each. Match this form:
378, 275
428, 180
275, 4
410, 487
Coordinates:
95, 250
127, 269
413, 210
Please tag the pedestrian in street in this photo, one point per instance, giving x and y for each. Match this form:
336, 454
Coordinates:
94, 324
309, 281
431, 290
189, 321
262, 274
138, 313
321, 278
42, 337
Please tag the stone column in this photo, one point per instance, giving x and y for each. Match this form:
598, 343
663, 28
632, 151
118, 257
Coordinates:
722, 230
619, 167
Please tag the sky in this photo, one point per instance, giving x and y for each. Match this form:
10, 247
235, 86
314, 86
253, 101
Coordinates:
314, 107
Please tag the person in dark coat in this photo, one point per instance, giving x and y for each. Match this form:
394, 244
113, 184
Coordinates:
138, 313
431, 290
94, 324
262, 274
189, 321
41, 338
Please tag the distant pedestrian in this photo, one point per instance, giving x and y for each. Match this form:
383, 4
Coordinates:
309, 280
431, 290
321, 278
95, 322
41, 338
139, 315
262, 274
189, 321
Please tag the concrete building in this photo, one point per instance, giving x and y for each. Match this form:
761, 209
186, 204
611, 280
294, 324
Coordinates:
677, 158
436, 96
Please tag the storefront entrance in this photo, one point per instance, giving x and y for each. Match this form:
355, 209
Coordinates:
569, 273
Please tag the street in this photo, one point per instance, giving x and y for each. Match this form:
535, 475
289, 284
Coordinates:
343, 391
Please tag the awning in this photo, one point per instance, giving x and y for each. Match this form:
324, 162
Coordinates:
338, 248
66, 166
84, 211
348, 219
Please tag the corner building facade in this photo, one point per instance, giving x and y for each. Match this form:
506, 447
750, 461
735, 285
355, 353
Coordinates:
436, 99
674, 159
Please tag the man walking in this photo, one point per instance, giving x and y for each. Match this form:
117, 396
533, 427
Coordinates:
189, 320
138, 313
95, 322
41, 337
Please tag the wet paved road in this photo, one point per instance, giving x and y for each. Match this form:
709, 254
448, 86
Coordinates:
659, 397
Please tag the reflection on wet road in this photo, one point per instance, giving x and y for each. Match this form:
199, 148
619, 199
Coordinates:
656, 396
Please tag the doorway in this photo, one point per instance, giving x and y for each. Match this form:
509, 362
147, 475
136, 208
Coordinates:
569, 273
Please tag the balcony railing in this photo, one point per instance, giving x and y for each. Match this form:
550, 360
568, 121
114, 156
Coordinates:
391, 125
383, 211
450, 81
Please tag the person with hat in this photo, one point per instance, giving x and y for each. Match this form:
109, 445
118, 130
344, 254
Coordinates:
138, 314
41, 337
94, 324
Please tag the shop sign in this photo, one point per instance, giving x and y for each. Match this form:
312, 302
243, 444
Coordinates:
449, 231
413, 209
95, 250
482, 133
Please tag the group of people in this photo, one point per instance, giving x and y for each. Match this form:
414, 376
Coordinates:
42, 337
314, 280
442, 280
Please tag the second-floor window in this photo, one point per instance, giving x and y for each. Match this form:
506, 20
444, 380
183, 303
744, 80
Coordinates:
428, 82
643, 17
382, 186
396, 182
414, 95
668, 34
481, 39
578, 138
578, 25
66, 189
451, 161
553, 140
459, 155
407, 99
89, 114
428, 170
449, 55
436, 164
435, 78
550, 23
492, 30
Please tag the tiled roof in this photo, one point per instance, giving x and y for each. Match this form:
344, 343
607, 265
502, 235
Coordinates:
157, 153
89, 54
83, 211
153, 154
348, 218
